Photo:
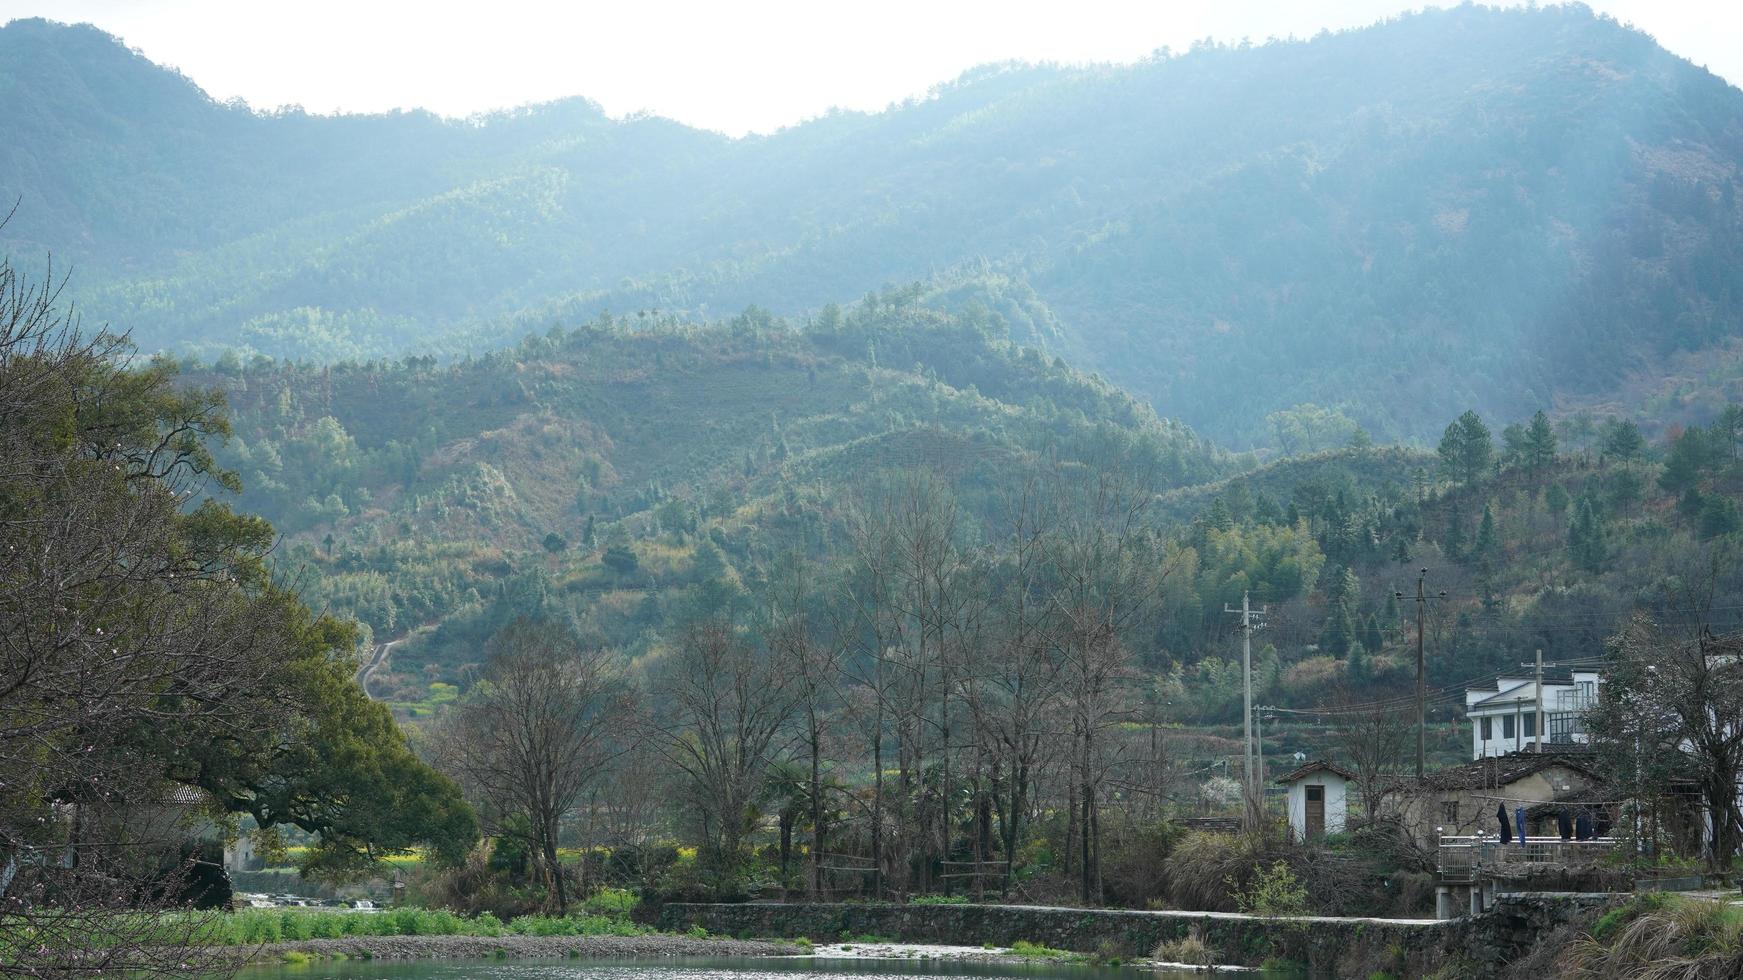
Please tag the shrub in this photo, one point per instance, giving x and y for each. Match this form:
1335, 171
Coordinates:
1135, 861
1202, 865
938, 900
1273, 891
618, 902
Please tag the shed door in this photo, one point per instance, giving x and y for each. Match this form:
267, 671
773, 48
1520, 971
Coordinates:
1315, 810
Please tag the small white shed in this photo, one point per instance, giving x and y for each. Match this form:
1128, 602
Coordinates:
1318, 799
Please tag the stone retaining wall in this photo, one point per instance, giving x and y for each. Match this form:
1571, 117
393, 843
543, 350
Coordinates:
1326, 946
1518, 922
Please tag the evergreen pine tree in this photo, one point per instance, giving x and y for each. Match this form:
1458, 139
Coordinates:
1719, 517
1685, 462
1556, 499
1372, 638
1453, 545
1586, 538
1730, 426
1691, 503
1218, 517
1488, 544
1339, 632
1540, 442
1466, 448
1361, 668
1340, 624
1622, 441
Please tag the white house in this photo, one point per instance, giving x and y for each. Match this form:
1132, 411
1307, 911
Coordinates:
1318, 800
1504, 719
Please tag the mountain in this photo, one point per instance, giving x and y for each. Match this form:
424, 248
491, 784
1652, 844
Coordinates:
611, 473
1500, 209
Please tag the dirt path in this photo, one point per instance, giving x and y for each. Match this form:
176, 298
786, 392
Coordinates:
377, 659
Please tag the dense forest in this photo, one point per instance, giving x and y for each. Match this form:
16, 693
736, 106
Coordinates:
623, 475
612, 470
1473, 207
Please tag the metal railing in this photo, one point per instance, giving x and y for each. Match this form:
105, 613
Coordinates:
1462, 859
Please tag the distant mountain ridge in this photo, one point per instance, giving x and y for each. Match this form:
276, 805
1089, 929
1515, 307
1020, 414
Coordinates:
1504, 210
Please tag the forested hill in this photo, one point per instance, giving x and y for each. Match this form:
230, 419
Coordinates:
1501, 209
619, 473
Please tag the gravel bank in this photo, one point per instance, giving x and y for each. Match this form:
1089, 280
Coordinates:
519, 947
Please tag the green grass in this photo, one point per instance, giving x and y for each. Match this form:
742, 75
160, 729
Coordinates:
1036, 951
252, 926
938, 900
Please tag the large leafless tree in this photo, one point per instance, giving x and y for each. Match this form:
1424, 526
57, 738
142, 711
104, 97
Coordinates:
720, 705
539, 728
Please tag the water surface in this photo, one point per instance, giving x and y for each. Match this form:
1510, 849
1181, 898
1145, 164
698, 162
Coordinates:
689, 968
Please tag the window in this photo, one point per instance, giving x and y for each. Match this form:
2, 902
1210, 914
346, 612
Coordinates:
1506, 726
1315, 793
1449, 810
1488, 729
1530, 722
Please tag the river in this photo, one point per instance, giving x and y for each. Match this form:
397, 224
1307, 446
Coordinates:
784, 968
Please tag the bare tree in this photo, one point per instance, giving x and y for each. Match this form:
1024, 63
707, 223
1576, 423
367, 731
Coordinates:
1375, 740
1669, 697
721, 705
538, 729
1013, 688
915, 603
815, 663
930, 571
1108, 570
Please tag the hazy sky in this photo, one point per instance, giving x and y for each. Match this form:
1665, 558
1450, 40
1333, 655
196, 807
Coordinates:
734, 67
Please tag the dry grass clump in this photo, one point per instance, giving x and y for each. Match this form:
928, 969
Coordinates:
1190, 949
1661, 937
1202, 865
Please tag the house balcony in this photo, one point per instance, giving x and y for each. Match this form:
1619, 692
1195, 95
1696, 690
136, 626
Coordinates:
1463, 860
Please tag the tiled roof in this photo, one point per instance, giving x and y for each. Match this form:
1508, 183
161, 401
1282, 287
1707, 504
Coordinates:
1497, 771
1312, 767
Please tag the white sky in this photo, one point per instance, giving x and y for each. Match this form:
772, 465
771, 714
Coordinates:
733, 67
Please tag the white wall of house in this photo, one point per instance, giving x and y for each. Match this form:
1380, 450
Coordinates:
1336, 790
1505, 719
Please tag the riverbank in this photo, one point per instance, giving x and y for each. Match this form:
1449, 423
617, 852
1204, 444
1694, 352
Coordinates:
649, 946
1319, 944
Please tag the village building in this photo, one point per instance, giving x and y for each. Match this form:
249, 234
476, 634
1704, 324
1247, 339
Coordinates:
1318, 795
1505, 719
1554, 788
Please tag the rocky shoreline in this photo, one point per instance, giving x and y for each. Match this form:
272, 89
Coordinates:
516, 947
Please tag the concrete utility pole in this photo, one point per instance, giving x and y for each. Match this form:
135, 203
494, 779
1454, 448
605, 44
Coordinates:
1259, 749
1247, 614
1422, 598
1537, 726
